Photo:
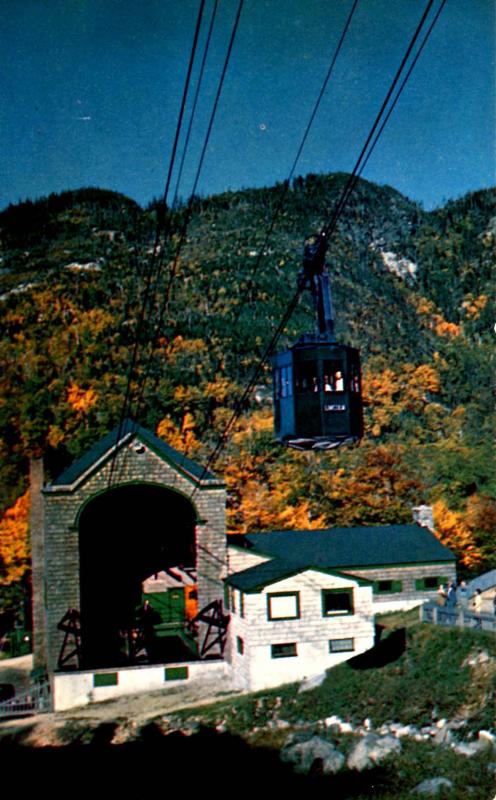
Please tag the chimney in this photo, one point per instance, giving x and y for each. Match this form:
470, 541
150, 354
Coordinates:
424, 516
37, 534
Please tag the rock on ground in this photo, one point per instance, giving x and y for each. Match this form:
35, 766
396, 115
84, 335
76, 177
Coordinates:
433, 786
469, 749
303, 755
372, 750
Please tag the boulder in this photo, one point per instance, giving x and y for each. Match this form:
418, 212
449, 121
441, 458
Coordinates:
469, 749
442, 736
372, 750
337, 722
399, 730
487, 740
303, 754
432, 786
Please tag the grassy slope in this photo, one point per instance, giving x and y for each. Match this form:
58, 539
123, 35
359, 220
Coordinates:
236, 741
430, 681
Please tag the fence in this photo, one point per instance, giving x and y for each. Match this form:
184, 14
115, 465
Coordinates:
36, 700
456, 617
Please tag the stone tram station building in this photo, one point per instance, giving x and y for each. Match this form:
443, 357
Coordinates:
137, 586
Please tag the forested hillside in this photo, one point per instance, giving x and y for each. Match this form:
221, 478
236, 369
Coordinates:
412, 290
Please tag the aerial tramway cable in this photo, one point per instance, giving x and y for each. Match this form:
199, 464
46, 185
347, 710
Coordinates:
150, 271
200, 164
195, 103
365, 154
329, 228
311, 120
331, 225
172, 272
182, 236
402, 86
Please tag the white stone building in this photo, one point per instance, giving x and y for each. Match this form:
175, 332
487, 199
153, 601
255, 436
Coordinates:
287, 625
303, 601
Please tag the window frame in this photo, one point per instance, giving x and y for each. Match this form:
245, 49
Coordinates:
294, 594
337, 613
421, 587
284, 654
342, 649
395, 588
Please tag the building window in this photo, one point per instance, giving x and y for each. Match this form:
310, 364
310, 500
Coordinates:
337, 601
387, 586
333, 376
341, 645
283, 650
429, 583
240, 645
241, 604
105, 679
176, 674
283, 605
306, 377
284, 382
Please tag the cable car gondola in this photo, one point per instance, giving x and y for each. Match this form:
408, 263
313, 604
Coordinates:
317, 382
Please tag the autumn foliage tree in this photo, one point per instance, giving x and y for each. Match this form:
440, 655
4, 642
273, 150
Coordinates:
454, 530
14, 541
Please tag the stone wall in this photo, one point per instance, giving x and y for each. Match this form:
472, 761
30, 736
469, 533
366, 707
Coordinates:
410, 596
72, 689
37, 537
133, 465
240, 559
255, 668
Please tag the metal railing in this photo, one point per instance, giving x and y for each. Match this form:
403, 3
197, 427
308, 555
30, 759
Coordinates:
456, 617
36, 700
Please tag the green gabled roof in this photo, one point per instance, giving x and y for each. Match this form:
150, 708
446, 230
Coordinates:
258, 577
340, 548
104, 449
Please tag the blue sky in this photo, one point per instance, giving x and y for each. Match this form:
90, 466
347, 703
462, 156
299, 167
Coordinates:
91, 92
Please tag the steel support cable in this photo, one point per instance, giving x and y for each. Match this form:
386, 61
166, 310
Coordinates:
189, 209
327, 229
182, 238
253, 380
287, 182
402, 86
295, 298
330, 226
195, 103
294, 302
396, 98
151, 269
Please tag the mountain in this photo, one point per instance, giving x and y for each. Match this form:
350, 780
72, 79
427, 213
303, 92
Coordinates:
83, 279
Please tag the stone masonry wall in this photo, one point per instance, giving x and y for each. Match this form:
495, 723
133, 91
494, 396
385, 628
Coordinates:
256, 669
36, 531
63, 506
240, 559
408, 575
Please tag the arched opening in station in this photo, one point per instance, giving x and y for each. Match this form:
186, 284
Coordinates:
137, 576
